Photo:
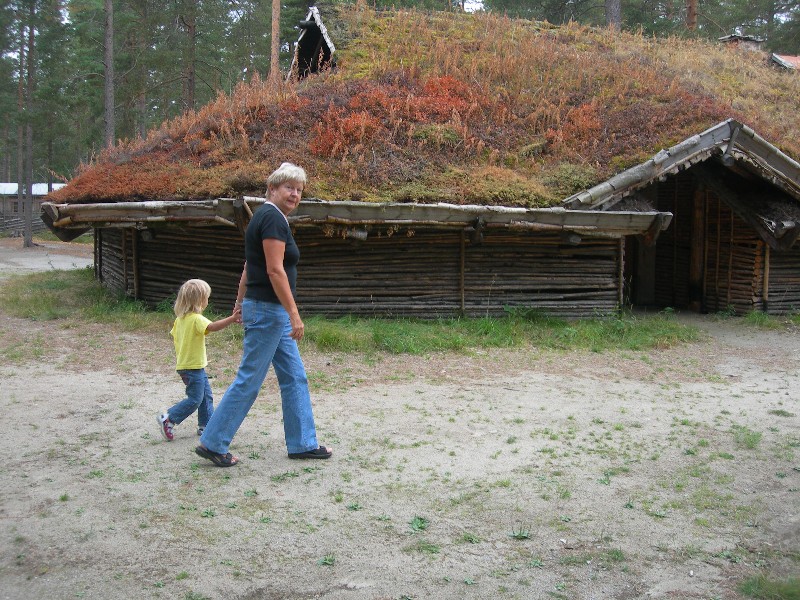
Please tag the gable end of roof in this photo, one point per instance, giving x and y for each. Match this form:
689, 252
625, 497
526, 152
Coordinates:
730, 140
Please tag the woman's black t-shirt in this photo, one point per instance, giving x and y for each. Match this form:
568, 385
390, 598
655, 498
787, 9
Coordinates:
268, 222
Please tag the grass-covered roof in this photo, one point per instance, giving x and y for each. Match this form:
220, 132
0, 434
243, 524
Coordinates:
461, 108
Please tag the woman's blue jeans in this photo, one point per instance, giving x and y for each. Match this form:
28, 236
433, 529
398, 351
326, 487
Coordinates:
266, 341
198, 398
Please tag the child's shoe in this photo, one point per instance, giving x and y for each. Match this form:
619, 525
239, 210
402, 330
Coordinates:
200, 430
166, 426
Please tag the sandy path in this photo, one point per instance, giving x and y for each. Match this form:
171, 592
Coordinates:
504, 474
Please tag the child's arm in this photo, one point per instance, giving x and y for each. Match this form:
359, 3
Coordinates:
235, 317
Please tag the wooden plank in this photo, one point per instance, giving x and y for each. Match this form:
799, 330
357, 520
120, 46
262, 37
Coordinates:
413, 276
313, 211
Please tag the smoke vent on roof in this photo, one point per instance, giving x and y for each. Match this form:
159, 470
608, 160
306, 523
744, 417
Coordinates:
314, 49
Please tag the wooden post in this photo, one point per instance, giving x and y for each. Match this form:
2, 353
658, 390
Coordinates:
136, 264
620, 273
675, 219
765, 283
719, 257
706, 204
97, 255
730, 262
462, 268
241, 214
697, 243
125, 260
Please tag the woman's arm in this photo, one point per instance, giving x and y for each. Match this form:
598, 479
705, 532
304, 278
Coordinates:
273, 253
242, 287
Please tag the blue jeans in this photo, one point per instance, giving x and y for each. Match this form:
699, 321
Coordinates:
266, 341
198, 398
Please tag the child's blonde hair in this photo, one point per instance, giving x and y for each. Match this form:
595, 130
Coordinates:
192, 297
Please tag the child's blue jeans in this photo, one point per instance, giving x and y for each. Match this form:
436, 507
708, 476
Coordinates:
198, 398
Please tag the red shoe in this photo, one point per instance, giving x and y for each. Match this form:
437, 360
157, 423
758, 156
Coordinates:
166, 426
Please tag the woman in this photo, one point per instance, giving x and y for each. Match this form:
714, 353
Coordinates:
272, 328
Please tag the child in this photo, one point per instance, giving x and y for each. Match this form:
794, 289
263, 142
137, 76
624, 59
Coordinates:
188, 333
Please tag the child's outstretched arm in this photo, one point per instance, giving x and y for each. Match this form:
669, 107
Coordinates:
235, 317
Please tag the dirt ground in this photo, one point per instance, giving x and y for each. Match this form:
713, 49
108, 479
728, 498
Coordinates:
671, 473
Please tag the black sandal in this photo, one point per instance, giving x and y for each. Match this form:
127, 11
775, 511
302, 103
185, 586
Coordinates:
321, 452
221, 460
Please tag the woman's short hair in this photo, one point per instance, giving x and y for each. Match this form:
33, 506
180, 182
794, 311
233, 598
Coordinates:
192, 297
286, 172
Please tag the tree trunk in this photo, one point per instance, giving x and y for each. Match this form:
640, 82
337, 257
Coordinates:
28, 235
20, 119
771, 18
108, 88
29, 110
49, 162
274, 60
5, 168
614, 14
141, 115
691, 15
190, 22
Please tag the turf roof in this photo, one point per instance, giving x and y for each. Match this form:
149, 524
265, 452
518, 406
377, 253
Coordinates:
461, 108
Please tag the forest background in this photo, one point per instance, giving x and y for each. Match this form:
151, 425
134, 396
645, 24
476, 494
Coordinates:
77, 75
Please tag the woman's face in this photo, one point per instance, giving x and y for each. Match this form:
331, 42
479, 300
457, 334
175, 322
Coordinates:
286, 196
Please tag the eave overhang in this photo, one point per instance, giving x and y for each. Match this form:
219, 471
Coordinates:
69, 220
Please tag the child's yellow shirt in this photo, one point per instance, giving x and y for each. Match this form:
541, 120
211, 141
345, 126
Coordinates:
189, 336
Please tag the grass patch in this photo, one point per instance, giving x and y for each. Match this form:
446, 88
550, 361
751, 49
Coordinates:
746, 437
519, 328
779, 412
75, 295
756, 318
762, 587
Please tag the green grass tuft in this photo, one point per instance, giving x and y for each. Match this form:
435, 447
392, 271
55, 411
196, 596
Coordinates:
764, 588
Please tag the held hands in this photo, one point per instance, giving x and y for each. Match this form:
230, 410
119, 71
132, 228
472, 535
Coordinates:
237, 312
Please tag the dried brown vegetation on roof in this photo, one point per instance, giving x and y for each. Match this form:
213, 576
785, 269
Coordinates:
457, 108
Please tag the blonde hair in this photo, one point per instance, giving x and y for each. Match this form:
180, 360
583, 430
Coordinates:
287, 172
192, 297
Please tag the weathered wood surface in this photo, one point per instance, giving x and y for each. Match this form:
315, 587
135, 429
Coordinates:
733, 254
730, 140
225, 211
415, 273
784, 282
439, 260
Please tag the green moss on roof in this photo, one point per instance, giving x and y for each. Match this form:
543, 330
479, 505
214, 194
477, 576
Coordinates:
463, 108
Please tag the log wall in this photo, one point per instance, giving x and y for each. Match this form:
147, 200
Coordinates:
734, 266
419, 272
153, 269
734, 256
784, 282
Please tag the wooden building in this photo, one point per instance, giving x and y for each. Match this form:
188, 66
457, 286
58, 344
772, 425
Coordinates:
374, 259
735, 199
730, 196
707, 224
12, 208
